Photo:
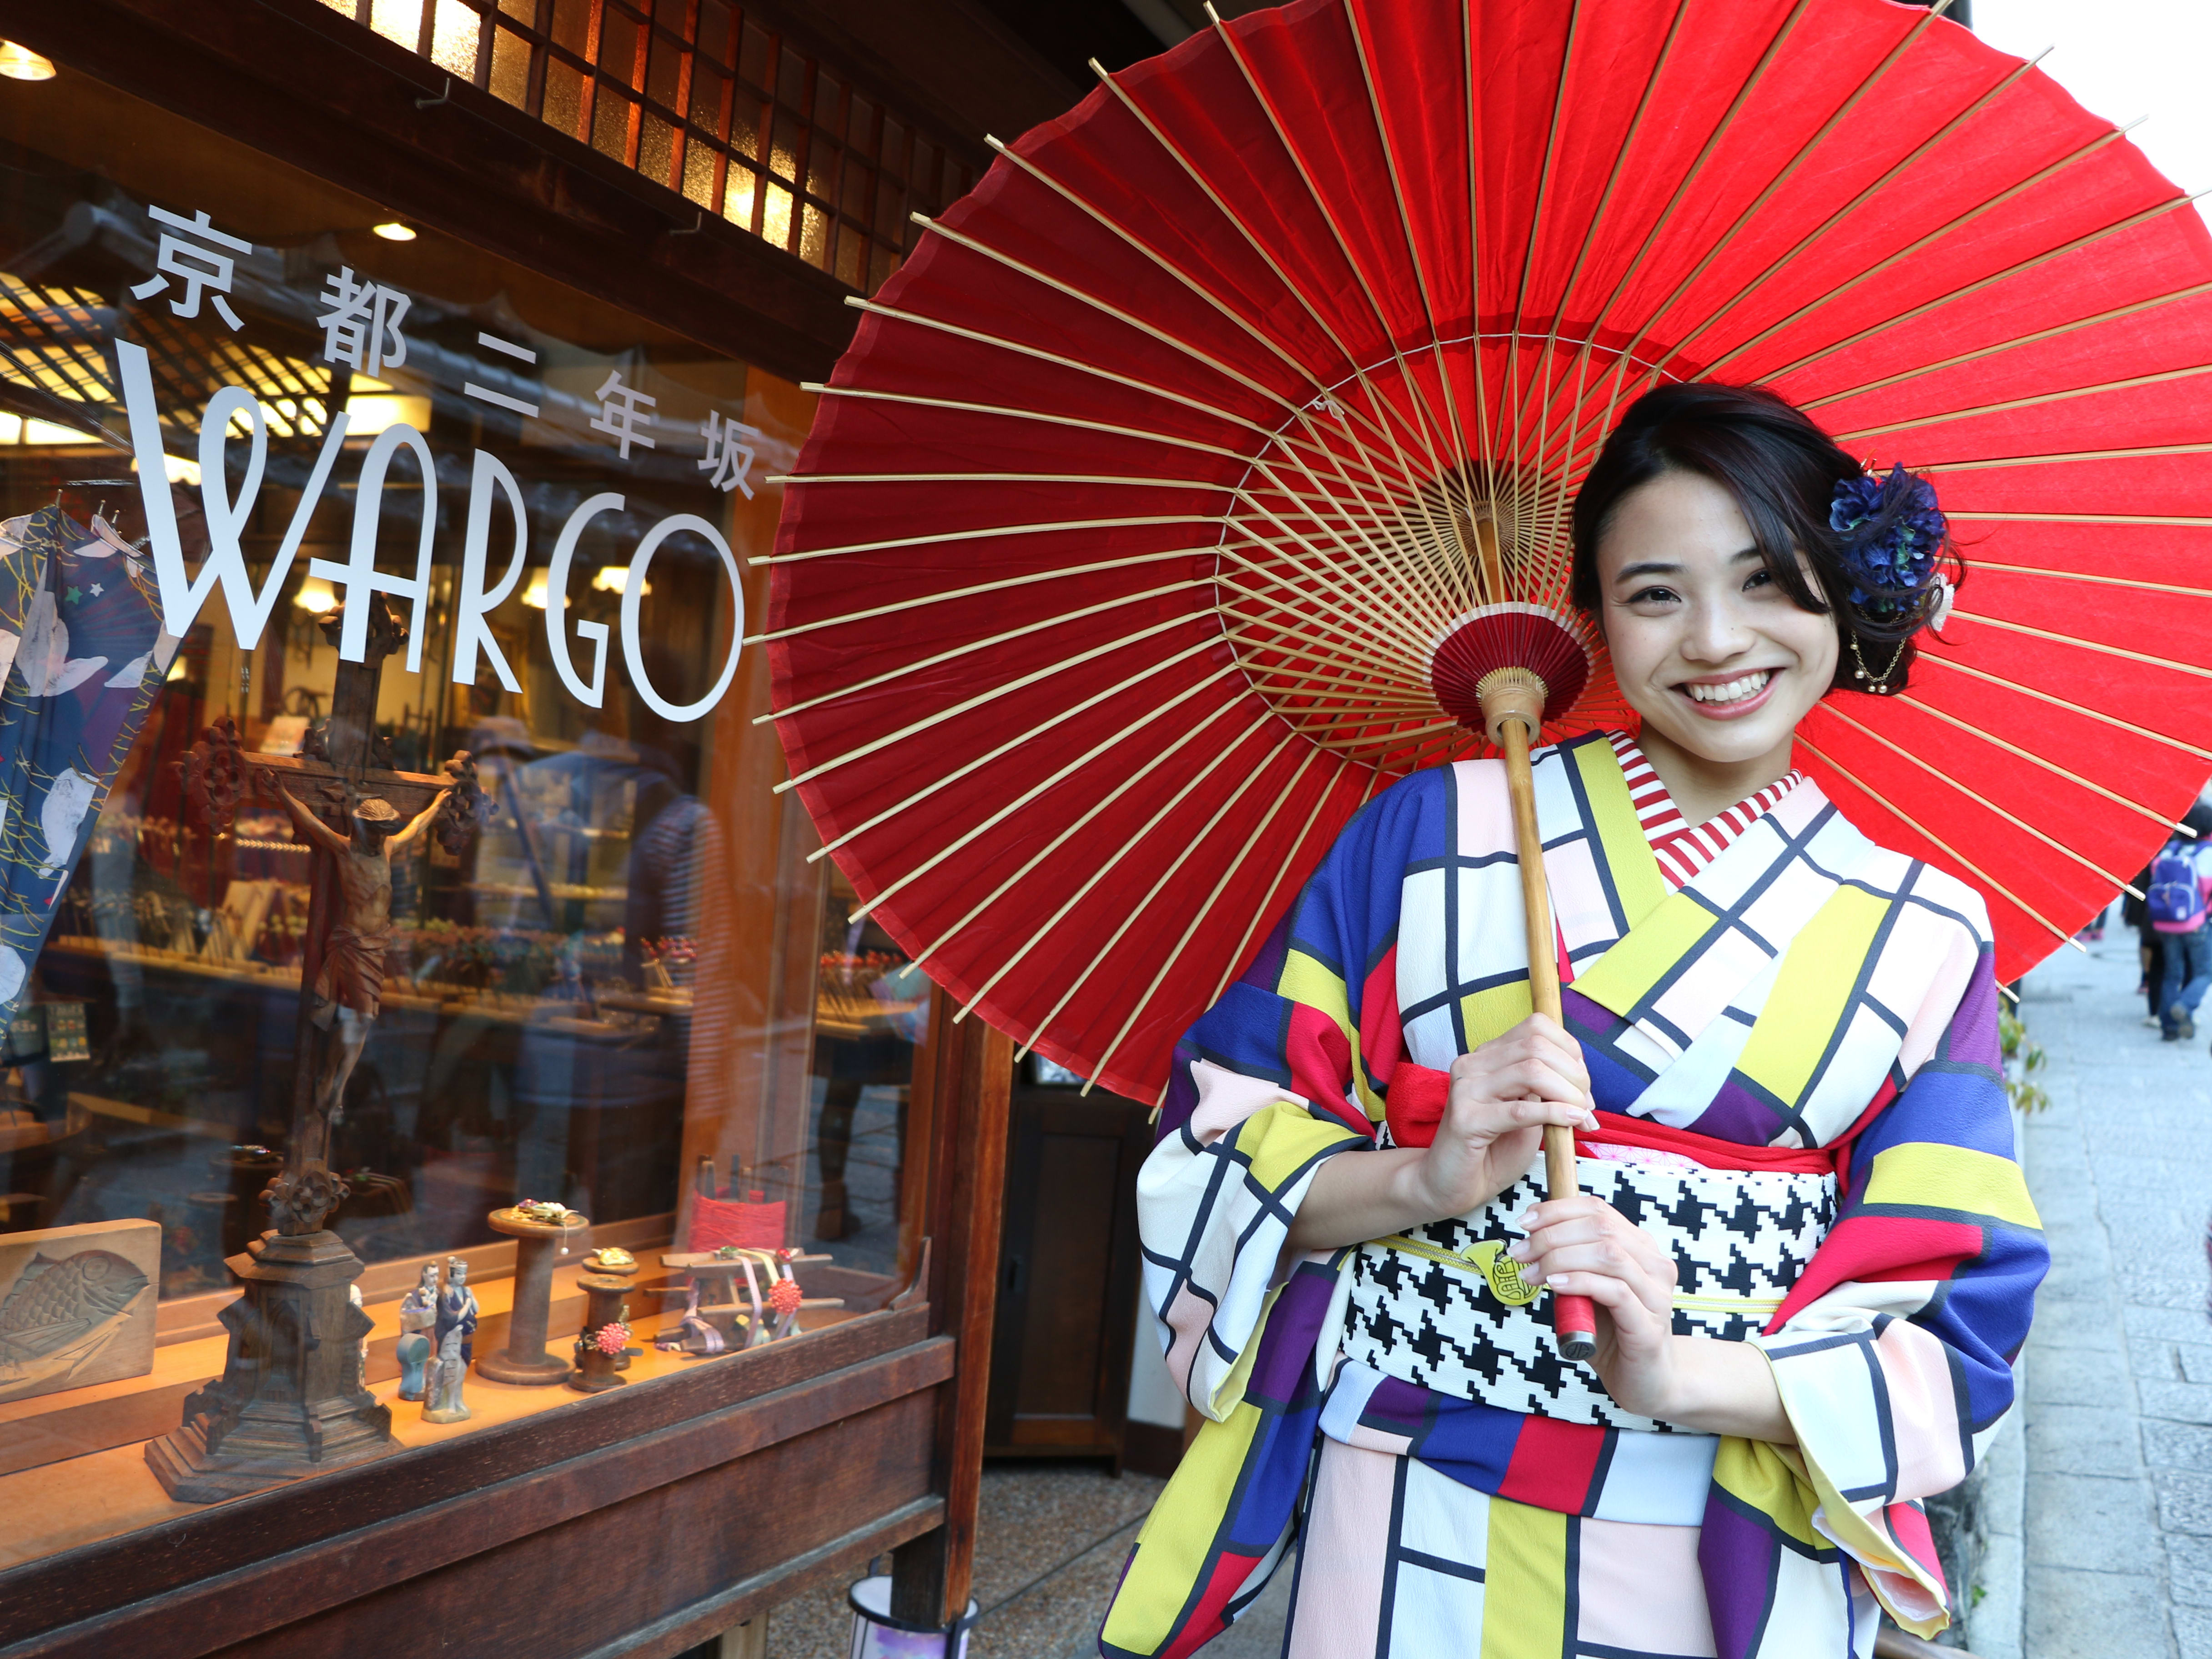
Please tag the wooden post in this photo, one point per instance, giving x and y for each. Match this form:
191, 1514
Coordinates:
964, 1074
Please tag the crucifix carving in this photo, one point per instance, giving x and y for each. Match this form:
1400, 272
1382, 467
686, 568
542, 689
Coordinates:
262, 1422
351, 811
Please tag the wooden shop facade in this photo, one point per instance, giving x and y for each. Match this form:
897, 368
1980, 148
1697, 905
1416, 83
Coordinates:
401, 919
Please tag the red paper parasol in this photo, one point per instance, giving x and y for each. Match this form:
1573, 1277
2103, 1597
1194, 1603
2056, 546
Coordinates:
1175, 489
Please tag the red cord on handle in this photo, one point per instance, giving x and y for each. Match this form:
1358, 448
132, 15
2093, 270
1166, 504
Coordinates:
1574, 1326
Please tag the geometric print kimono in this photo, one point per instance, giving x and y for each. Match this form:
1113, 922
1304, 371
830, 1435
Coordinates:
1795, 1058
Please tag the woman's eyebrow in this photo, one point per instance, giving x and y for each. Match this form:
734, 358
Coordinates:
1646, 568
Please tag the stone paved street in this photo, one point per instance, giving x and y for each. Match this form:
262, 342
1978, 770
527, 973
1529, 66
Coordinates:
2117, 1518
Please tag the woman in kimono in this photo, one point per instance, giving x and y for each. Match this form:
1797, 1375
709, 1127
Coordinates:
1811, 1251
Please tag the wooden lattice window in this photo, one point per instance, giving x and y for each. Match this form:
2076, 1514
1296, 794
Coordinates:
708, 99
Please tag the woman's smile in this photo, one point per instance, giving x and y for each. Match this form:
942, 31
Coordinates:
1731, 696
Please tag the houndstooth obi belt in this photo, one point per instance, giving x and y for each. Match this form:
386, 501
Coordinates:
1444, 1307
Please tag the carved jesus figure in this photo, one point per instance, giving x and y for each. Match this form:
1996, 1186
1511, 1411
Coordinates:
349, 989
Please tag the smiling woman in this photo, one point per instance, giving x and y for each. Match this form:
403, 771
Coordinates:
1794, 1204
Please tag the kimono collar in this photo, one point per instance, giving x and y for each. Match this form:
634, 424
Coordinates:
1683, 848
1678, 954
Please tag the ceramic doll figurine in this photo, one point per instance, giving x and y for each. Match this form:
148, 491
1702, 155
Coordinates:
455, 1332
419, 1315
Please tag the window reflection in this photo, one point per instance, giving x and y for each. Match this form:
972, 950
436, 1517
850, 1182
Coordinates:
630, 992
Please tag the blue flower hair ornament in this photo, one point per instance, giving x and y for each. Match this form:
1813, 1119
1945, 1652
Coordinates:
1893, 536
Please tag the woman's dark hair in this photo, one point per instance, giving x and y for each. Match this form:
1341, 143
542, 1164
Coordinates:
1782, 470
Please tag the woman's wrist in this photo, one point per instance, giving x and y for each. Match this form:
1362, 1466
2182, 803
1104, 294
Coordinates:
1712, 1387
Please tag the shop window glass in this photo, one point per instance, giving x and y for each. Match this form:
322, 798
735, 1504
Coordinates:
752, 63
618, 38
453, 39
398, 20
715, 38
656, 148
829, 107
610, 122
852, 256
738, 194
564, 98
667, 70
622, 986
790, 80
775, 216
783, 153
746, 114
571, 24
699, 174
822, 168
510, 68
705, 98
890, 210
814, 236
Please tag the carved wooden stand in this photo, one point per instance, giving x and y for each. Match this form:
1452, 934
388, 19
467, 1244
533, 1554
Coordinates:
291, 1400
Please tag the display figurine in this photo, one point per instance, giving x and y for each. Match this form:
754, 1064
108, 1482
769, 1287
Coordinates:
456, 1330
418, 1313
349, 989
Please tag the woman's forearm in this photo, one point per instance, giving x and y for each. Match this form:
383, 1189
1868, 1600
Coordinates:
1721, 1388
1360, 1195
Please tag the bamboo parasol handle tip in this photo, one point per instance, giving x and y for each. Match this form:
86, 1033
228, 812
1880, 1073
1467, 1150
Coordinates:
1514, 695
1575, 1328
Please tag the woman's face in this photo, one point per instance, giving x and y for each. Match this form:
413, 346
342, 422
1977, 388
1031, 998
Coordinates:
1717, 658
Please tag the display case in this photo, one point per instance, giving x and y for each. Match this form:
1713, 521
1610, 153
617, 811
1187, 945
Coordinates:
467, 1173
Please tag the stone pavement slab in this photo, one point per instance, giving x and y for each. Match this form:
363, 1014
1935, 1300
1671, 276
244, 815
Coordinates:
2118, 1372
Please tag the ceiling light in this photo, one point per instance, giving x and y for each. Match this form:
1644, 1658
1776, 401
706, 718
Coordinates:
316, 596
393, 231
534, 594
22, 63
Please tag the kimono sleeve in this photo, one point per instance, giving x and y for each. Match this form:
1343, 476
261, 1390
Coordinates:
1893, 1353
1288, 1069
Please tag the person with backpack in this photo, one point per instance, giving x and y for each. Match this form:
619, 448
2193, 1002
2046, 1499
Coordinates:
2175, 900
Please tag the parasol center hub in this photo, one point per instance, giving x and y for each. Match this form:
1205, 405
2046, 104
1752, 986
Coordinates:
1518, 662
1509, 696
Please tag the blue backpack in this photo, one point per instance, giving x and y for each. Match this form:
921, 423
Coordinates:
2174, 900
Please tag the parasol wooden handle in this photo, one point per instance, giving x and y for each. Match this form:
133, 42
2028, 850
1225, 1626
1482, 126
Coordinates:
1512, 703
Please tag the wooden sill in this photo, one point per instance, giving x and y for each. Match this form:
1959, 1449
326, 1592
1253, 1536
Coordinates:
185, 1579
61, 1503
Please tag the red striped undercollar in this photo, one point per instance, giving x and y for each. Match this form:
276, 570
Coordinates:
1683, 849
